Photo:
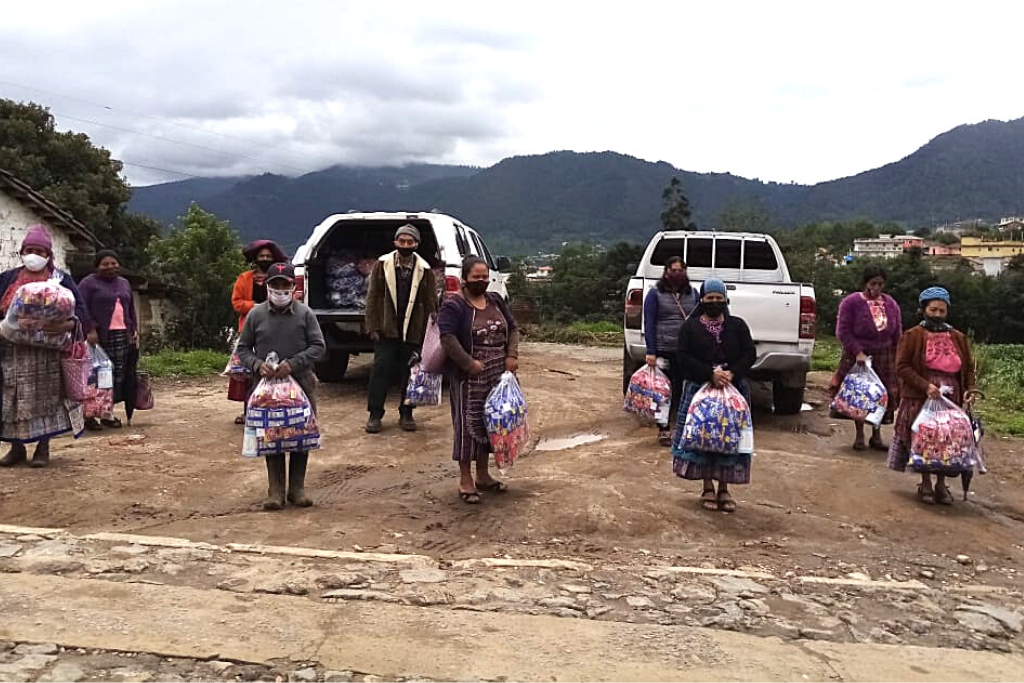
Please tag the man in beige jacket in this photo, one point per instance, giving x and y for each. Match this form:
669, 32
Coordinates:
402, 296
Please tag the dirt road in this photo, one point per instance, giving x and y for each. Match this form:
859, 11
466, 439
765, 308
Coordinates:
815, 508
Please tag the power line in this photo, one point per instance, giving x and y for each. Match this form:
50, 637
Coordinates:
148, 116
157, 168
173, 141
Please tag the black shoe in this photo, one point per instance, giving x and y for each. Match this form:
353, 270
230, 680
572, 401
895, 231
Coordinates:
407, 423
41, 458
374, 425
15, 456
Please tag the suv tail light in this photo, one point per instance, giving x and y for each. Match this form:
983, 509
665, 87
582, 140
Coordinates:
808, 317
451, 285
634, 309
300, 287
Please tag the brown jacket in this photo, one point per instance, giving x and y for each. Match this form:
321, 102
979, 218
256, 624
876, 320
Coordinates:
912, 371
382, 315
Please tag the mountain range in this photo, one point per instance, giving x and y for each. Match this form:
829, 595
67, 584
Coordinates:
528, 203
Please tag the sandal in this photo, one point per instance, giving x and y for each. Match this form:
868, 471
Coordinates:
240, 420
92, 425
927, 497
943, 496
471, 498
664, 437
708, 500
726, 503
493, 487
113, 424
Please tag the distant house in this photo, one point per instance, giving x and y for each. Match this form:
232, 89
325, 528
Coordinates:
541, 273
22, 207
990, 256
939, 249
1011, 224
74, 247
885, 246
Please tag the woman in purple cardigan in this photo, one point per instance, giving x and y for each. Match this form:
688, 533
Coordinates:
108, 298
870, 325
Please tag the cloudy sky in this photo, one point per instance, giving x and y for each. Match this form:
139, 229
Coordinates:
784, 91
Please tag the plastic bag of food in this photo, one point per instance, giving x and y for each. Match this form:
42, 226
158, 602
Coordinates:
718, 421
505, 418
235, 368
943, 437
102, 367
34, 305
861, 396
649, 395
424, 388
281, 416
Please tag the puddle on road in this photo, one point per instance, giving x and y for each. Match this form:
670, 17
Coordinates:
806, 407
565, 442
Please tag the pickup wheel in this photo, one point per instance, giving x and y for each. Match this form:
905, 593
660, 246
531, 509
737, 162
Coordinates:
788, 400
629, 366
333, 369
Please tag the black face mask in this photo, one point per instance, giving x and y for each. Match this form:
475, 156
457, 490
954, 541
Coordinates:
406, 252
477, 287
264, 266
714, 308
934, 324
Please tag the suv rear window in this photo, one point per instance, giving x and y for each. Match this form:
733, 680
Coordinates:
698, 252
665, 249
759, 255
727, 253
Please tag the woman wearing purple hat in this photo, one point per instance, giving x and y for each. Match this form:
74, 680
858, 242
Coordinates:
35, 408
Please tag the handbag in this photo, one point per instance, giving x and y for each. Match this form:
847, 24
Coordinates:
76, 366
143, 392
432, 355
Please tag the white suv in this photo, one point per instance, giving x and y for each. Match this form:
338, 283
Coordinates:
328, 268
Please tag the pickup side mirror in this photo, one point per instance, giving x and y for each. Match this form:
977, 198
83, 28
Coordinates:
503, 264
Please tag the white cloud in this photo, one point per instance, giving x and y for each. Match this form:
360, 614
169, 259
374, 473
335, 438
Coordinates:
781, 91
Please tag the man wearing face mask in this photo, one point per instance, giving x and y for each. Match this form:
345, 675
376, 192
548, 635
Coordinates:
251, 289
34, 405
289, 329
401, 297
666, 307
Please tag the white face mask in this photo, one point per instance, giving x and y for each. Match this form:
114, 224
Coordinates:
280, 297
34, 262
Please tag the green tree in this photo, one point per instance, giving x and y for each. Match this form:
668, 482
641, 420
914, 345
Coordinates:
744, 216
588, 284
79, 177
677, 214
203, 256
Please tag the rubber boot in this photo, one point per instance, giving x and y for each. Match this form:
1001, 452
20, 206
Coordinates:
41, 458
15, 456
275, 475
297, 480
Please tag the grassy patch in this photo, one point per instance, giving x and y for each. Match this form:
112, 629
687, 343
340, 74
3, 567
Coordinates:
1001, 377
585, 334
827, 353
170, 363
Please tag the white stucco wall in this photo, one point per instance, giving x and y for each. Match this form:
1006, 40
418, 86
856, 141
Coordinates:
15, 220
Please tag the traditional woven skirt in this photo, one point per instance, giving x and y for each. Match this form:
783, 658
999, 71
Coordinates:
467, 396
700, 465
903, 434
34, 407
117, 348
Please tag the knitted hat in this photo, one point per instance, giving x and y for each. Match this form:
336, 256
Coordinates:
38, 237
713, 285
409, 230
934, 294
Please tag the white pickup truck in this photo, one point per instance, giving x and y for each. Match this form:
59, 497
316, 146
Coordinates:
781, 314
331, 269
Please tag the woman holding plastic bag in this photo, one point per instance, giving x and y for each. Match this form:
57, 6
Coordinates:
934, 362
35, 407
287, 328
666, 306
108, 298
716, 349
481, 341
869, 325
